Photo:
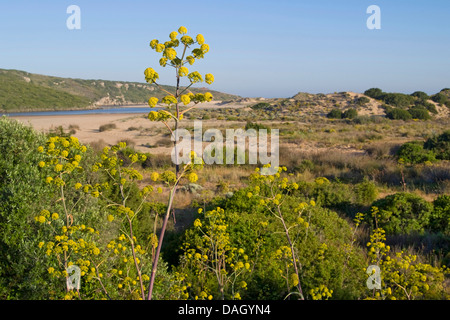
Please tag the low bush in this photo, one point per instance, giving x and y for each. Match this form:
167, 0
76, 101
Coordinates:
107, 127
440, 144
414, 153
402, 213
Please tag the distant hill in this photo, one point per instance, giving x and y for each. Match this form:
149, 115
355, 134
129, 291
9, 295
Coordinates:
438, 105
23, 91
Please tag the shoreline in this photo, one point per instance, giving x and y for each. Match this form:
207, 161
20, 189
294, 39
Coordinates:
147, 136
205, 105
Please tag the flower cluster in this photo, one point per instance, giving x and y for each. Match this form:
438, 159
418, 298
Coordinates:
62, 156
213, 252
171, 57
321, 293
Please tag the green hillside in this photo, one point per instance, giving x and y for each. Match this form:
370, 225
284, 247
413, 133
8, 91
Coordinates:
23, 91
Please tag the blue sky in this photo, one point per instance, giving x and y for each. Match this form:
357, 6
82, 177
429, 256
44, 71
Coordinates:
258, 48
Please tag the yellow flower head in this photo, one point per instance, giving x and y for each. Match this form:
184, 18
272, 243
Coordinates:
186, 99
209, 78
182, 30
152, 102
183, 71
169, 100
200, 39
153, 43
153, 115
42, 164
195, 77
187, 40
204, 47
55, 216
154, 176
192, 177
160, 47
208, 96
197, 223
151, 75
163, 62
190, 59
173, 35
170, 53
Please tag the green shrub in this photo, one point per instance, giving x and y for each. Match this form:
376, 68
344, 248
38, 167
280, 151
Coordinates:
107, 127
414, 153
362, 101
440, 218
397, 99
22, 191
335, 114
366, 192
421, 95
439, 98
245, 218
261, 106
427, 105
420, 113
403, 213
440, 145
350, 114
398, 114
374, 93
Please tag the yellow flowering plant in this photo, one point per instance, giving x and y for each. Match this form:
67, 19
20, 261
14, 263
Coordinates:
209, 254
70, 242
403, 276
180, 53
277, 187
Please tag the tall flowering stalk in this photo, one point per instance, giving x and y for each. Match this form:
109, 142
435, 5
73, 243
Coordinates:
176, 105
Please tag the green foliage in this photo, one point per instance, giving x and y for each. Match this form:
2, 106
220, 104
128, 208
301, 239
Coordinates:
350, 114
362, 101
261, 106
413, 153
440, 218
107, 127
398, 114
374, 93
426, 105
335, 114
440, 145
418, 112
22, 191
397, 99
421, 95
440, 98
402, 275
18, 94
402, 213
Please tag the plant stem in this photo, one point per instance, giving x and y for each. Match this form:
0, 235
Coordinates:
160, 241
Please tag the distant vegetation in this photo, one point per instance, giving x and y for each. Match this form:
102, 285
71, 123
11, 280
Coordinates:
399, 106
23, 91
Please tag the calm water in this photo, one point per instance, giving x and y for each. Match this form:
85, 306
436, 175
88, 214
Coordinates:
108, 110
